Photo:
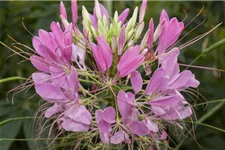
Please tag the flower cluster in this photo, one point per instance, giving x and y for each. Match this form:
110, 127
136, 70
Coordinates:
92, 78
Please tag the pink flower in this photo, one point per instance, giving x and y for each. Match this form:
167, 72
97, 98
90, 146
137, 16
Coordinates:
125, 102
46, 89
77, 119
102, 54
177, 80
158, 82
171, 30
104, 120
170, 108
55, 50
136, 81
119, 137
130, 61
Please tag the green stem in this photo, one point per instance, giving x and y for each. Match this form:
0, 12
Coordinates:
38, 139
211, 112
14, 119
11, 79
203, 118
206, 125
209, 49
209, 102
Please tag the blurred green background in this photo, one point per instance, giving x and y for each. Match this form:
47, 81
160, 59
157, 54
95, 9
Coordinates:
38, 15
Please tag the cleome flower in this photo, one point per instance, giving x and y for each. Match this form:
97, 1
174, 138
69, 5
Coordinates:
98, 79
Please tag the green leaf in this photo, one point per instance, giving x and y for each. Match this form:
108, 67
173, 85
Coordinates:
7, 110
29, 129
10, 130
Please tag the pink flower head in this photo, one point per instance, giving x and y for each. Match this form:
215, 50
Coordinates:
170, 108
125, 103
104, 120
178, 80
130, 61
55, 50
170, 32
113, 44
102, 54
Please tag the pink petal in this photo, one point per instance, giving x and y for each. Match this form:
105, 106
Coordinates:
104, 137
79, 114
118, 137
68, 81
48, 40
142, 10
151, 34
123, 16
121, 41
158, 82
63, 10
105, 50
98, 57
170, 66
181, 111
70, 125
164, 16
139, 128
166, 101
39, 47
130, 66
151, 126
136, 81
94, 21
129, 54
78, 55
182, 80
130, 61
109, 115
163, 135
53, 110
125, 103
57, 32
103, 11
40, 77
48, 91
104, 126
74, 11
67, 53
39, 63
169, 35
98, 115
